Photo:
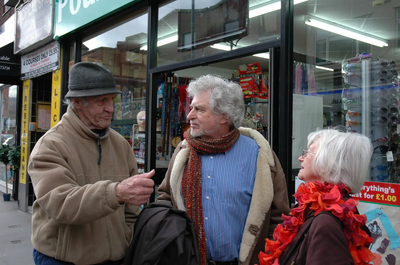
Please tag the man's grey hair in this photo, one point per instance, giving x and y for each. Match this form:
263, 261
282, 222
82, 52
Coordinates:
226, 96
70, 103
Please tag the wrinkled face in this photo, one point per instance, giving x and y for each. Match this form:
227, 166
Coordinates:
204, 122
306, 173
97, 114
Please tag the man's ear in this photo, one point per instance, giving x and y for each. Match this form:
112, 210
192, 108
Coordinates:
76, 102
224, 118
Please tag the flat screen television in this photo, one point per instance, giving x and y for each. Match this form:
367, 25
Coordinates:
226, 21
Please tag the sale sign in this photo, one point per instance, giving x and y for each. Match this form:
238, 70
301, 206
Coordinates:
380, 192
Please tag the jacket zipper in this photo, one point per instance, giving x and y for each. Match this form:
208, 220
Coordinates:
105, 219
99, 145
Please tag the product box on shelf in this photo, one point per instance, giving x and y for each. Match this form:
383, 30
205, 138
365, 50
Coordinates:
253, 68
264, 90
254, 84
249, 87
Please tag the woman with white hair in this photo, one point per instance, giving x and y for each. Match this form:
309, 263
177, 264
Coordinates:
325, 227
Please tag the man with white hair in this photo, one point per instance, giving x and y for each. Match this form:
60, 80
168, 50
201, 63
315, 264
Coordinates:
227, 178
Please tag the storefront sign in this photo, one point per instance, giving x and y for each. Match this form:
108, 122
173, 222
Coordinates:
25, 141
10, 64
73, 14
55, 98
41, 61
34, 25
380, 192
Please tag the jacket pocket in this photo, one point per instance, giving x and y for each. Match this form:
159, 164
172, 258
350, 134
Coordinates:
62, 243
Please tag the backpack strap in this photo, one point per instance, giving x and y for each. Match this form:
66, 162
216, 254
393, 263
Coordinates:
305, 231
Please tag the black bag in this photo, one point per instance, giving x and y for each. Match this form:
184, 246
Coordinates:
163, 235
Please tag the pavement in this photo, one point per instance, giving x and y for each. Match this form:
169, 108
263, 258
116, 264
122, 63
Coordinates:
15, 234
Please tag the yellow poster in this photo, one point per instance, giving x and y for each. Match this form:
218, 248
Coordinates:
25, 130
56, 98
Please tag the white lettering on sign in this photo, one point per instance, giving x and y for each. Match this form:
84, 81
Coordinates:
4, 67
73, 8
5, 58
87, 3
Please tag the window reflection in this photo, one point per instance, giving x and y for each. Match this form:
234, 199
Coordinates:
119, 50
214, 27
361, 94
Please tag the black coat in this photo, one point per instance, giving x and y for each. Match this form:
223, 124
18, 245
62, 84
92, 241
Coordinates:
163, 235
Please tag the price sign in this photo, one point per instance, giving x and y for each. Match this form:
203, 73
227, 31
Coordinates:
380, 192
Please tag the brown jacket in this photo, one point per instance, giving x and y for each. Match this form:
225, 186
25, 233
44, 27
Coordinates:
76, 216
324, 243
269, 200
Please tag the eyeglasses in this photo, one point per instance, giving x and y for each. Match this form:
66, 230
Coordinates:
306, 152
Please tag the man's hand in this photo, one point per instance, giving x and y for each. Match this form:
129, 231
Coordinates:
136, 189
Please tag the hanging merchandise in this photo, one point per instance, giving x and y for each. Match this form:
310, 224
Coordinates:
182, 100
175, 100
311, 81
174, 109
163, 113
298, 75
167, 120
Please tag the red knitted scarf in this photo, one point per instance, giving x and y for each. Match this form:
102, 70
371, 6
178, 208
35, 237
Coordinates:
315, 196
191, 181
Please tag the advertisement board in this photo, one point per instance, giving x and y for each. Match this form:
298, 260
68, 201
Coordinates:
41, 61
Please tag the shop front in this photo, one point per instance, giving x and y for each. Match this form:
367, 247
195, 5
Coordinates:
302, 65
154, 53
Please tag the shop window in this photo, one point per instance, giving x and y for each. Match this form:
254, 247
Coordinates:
194, 29
6, 9
398, 27
8, 125
119, 49
355, 75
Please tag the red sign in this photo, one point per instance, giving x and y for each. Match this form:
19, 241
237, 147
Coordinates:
380, 192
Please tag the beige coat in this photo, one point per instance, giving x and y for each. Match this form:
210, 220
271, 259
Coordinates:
270, 199
76, 215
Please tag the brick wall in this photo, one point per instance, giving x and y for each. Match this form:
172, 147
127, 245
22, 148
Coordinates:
5, 15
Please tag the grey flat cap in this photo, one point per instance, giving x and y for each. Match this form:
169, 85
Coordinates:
90, 79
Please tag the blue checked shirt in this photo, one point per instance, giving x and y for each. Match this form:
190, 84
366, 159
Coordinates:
227, 188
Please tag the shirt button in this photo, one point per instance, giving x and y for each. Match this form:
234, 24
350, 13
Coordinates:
206, 218
208, 177
211, 157
207, 197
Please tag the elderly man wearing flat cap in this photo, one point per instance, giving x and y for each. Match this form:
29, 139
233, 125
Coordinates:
84, 176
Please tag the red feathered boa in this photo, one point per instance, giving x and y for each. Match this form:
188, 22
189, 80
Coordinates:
318, 197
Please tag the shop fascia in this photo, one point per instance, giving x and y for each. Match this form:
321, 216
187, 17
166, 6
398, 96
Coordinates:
72, 14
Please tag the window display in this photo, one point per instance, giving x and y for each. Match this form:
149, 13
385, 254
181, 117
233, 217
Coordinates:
371, 100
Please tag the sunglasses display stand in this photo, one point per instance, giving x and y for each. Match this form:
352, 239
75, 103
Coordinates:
370, 103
